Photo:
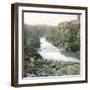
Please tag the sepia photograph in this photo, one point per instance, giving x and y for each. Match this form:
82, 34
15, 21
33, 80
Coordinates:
51, 44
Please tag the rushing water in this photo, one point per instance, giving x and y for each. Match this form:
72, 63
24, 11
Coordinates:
50, 52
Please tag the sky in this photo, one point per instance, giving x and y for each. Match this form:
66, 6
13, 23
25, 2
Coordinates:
47, 19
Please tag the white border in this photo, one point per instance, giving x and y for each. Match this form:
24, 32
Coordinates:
82, 52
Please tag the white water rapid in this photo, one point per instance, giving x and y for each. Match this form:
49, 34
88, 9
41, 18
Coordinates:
50, 52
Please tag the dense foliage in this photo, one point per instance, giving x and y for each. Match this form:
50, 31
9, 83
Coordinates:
67, 36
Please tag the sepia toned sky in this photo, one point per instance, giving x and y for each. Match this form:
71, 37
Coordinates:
48, 19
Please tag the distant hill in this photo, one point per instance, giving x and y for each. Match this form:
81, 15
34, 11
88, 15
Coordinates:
40, 30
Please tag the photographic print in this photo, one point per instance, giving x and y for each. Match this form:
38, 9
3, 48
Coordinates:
51, 45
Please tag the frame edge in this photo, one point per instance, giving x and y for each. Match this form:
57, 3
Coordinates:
14, 46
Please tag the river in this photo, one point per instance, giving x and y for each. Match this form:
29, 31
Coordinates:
51, 52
